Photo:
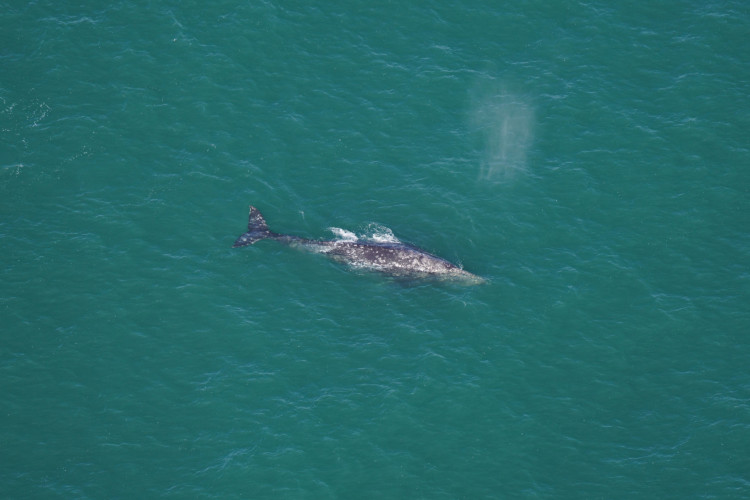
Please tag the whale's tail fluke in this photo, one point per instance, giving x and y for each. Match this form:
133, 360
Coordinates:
257, 229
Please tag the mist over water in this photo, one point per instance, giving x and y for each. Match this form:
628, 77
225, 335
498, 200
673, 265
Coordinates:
505, 123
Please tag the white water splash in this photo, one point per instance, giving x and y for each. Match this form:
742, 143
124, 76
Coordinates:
376, 233
380, 234
343, 234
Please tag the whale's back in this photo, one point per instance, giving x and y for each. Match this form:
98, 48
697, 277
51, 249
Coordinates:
392, 258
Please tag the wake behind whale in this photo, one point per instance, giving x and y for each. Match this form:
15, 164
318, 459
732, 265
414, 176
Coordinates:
389, 257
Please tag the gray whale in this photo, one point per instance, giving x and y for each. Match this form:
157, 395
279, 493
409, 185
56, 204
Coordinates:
393, 258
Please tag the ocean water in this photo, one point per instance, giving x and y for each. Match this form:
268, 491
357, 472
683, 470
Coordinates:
589, 159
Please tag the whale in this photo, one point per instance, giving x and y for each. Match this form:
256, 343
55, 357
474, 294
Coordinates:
392, 258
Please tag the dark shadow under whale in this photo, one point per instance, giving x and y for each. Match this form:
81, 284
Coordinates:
393, 258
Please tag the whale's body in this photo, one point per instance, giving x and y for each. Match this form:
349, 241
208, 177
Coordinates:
394, 258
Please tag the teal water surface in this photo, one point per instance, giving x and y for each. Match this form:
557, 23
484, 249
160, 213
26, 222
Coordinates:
590, 160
